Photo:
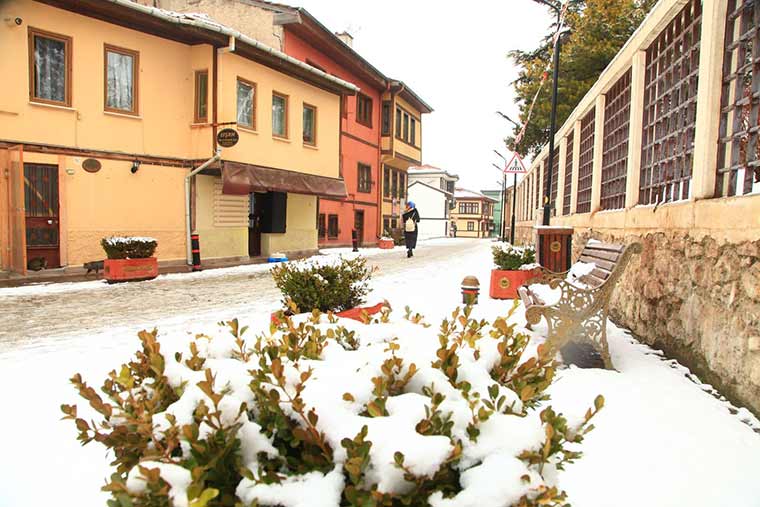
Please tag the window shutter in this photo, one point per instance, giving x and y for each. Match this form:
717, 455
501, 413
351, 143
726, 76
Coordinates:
229, 210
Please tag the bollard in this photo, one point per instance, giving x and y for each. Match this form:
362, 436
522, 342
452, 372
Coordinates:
354, 240
195, 246
470, 290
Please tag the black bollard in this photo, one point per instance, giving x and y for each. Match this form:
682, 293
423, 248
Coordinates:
195, 246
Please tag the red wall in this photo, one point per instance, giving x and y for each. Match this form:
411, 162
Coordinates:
365, 149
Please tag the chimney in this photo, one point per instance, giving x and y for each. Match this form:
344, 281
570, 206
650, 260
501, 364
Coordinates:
347, 38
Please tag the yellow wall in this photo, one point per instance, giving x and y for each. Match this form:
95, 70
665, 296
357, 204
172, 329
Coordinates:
165, 112
301, 229
260, 147
216, 241
400, 146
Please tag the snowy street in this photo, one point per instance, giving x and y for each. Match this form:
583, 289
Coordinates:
662, 439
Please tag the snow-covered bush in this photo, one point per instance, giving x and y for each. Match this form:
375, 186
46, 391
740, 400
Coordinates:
508, 257
117, 247
328, 412
324, 286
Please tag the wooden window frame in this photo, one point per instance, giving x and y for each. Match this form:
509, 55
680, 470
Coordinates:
68, 48
359, 187
254, 109
470, 226
365, 119
337, 226
135, 111
197, 118
399, 114
386, 182
322, 225
413, 131
286, 98
386, 118
314, 108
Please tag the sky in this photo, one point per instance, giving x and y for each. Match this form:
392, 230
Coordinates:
453, 55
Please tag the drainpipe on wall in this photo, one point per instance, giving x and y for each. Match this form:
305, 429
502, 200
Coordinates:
188, 179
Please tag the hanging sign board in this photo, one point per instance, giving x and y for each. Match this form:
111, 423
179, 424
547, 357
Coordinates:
227, 138
515, 165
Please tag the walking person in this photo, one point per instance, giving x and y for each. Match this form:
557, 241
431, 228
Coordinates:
411, 218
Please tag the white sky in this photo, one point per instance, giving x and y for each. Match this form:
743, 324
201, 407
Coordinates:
453, 55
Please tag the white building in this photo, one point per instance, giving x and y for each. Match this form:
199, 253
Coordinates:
432, 190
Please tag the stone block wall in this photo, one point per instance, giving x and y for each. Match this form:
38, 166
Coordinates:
699, 301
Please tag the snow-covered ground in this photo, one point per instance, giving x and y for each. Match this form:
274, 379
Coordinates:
662, 438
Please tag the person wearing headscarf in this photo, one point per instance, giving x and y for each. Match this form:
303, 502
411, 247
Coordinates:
410, 219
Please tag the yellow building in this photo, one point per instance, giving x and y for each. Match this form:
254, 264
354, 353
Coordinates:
107, 106
401, 148
472, 214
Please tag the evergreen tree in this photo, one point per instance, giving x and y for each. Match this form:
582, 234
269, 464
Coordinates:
597, 31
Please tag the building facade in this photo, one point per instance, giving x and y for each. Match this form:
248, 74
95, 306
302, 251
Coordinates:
501, 215
665, 150
381, 126
99, 141
472, 214
432, 190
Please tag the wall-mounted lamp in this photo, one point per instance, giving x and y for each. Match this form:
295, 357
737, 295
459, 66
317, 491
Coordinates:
135, 166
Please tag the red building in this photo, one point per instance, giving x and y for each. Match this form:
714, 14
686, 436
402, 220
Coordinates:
309, 41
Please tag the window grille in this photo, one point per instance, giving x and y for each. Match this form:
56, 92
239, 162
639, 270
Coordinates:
738, 168
617, 113
555, 176
670, 104
586, 164
568, 183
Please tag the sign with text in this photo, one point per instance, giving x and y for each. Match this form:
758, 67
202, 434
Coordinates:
227, 138
515, 165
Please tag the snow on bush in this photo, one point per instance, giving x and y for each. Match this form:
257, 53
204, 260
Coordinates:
508, 257
328, 412
124, 247
325, 284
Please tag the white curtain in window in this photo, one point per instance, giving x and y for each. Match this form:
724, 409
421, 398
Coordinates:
50, 69
308, 125
278, 116
244, 104
120, 81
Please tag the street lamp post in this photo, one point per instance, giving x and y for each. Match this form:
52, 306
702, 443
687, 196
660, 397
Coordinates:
503, 232
514, 185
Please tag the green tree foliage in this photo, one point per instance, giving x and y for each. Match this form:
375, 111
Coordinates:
597, 31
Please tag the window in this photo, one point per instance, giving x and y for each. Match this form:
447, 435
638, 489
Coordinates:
394, 223
309, 125
468, 208
322, 225
394, 184
401, 185
406, 126
364, 110
201, 96
49, 67
470, 226
386, 225
398, 122
364, 178
246, 103
386, 182
279, 115
121, 80
332, 226
386, 120
413, 133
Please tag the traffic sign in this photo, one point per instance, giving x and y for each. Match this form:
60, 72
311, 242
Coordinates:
515, 165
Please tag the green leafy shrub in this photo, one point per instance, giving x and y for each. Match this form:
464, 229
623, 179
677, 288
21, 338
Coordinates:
128, 248
510, 258
324, 287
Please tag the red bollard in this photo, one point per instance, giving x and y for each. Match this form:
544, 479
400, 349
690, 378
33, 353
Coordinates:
195, 246
354, 240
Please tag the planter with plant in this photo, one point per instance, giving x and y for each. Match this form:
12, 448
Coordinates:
514, 267
339, 287
129, 258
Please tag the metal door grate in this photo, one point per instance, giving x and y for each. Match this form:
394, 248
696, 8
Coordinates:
670, 108
568, 183
617, 113
586, 165
738, 167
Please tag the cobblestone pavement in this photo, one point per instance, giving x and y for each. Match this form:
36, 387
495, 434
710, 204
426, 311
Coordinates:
37, 319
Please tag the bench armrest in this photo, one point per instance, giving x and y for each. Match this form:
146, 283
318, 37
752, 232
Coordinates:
574, 300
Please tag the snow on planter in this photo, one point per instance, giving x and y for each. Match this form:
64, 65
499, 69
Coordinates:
328, 412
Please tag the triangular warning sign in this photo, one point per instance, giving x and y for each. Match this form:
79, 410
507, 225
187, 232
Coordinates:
515, 165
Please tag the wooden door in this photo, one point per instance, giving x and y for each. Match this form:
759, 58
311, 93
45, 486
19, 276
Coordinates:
42, 218
255, 213
359, 226
17, 212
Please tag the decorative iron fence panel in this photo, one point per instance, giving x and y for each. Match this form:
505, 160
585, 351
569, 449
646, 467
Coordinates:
568, 183
617, 114
586, 164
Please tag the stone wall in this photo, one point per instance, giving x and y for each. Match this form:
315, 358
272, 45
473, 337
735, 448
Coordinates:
699, 301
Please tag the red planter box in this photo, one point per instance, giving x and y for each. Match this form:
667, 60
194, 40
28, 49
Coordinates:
123, 270
385, 244
504, 284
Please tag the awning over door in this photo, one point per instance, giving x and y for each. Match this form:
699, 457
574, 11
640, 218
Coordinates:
239, 179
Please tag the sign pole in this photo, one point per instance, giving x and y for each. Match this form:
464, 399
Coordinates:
515, 167
502, 219
514, 203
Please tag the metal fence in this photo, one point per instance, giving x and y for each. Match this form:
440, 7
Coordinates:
586, 165
617, 114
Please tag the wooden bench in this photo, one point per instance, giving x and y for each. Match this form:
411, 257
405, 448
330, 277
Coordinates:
580, 315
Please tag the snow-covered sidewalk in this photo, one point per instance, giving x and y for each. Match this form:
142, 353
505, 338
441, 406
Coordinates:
661, 440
